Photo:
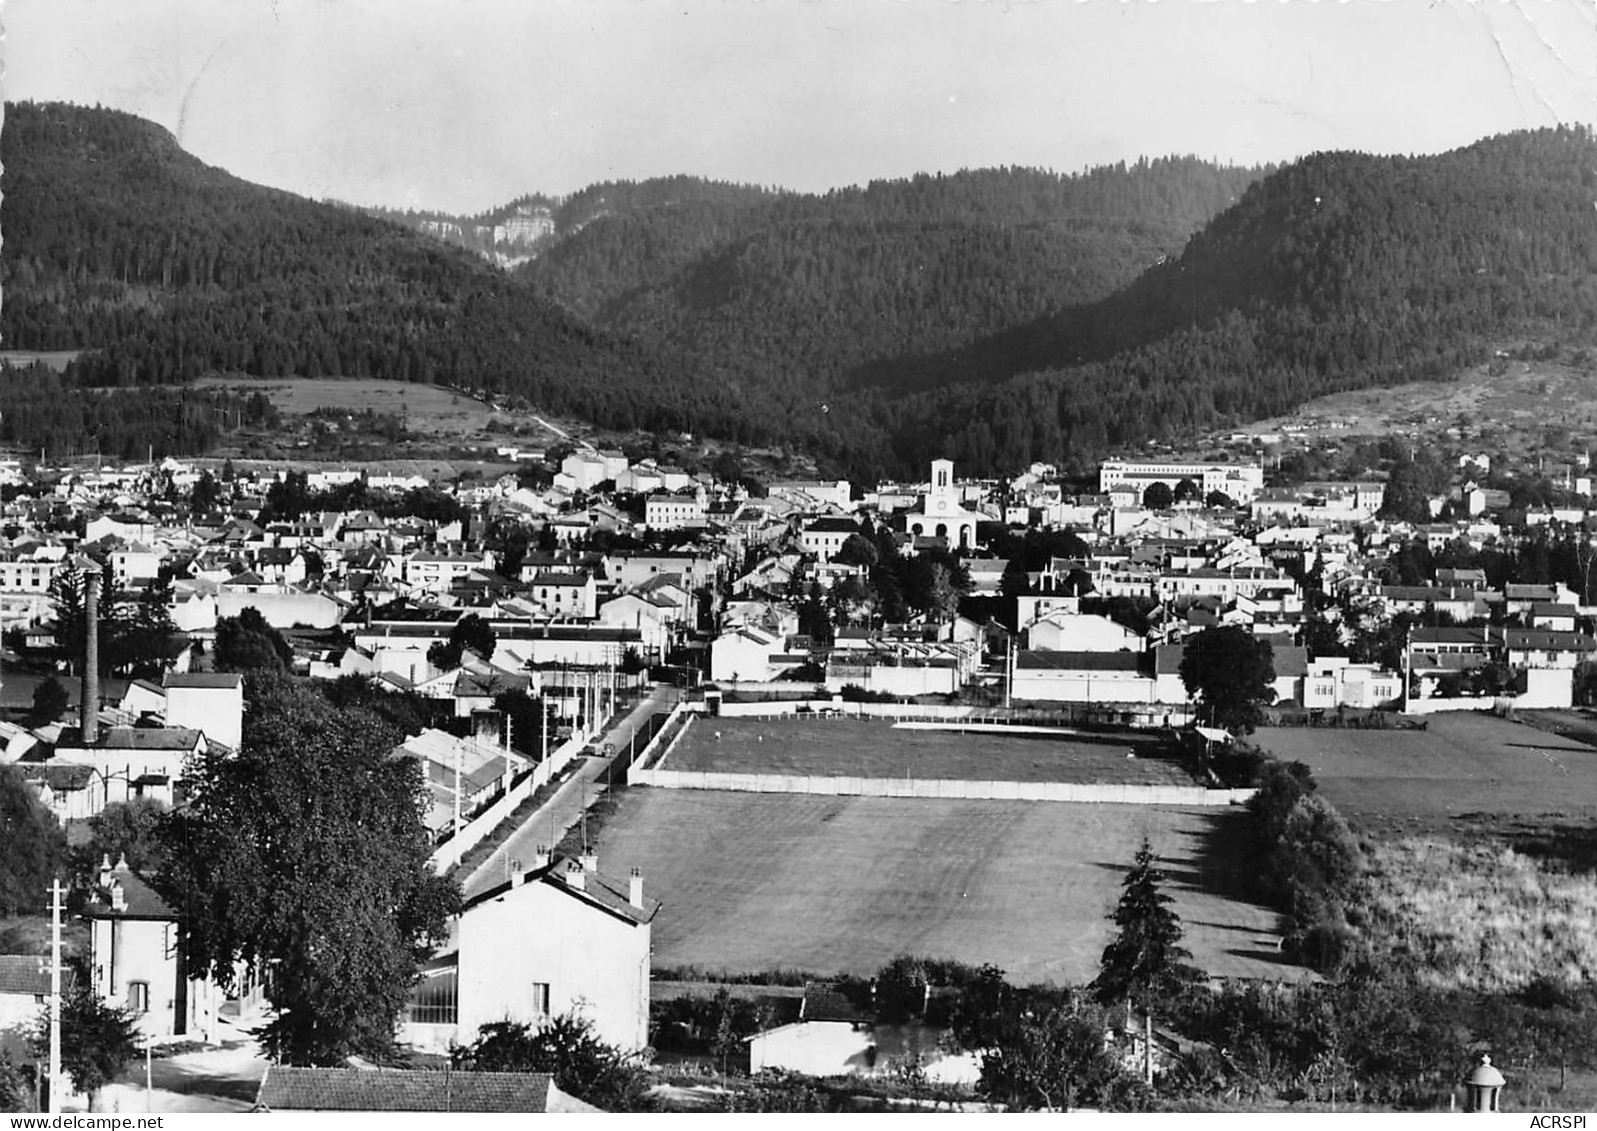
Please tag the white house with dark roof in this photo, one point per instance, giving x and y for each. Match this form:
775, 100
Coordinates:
558, 937
127, 762
135, 963
565, 592
824, 537
437, 571
674, 511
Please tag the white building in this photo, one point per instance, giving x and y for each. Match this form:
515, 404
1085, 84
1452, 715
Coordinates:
1239, 481
209, 702
674, 512
824, 537
134, 961
1063, 631
942, 512
744, 654
560, 937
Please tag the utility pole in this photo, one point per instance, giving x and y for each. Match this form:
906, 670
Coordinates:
509, 774
1147, 1040
56, 907
456, 825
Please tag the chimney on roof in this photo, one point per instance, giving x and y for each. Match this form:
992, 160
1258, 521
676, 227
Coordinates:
575, 876
590, 860
119, 898
105, 871
89, 708
635, 896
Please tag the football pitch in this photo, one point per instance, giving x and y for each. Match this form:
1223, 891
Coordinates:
875, 748
756, 882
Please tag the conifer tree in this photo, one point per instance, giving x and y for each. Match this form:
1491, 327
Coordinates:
1145, 962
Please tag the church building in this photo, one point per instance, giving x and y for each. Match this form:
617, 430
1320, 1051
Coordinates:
942, 513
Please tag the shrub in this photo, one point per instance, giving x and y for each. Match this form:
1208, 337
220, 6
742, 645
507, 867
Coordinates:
1325, 946
1316, 858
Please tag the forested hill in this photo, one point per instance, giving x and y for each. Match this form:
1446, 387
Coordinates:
787, 296
994, 316
166, 268
1341, 271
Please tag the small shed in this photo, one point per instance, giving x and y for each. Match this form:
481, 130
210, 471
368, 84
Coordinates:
830, 1038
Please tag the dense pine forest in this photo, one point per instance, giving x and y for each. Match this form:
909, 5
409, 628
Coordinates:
993, 316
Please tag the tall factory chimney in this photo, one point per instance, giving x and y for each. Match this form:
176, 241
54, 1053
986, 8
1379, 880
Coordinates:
90, 706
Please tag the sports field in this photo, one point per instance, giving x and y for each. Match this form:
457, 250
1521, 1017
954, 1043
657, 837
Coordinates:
754, 882
1462, 765
832, 747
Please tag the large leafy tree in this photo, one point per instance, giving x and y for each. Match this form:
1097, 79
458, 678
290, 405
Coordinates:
127, 830
248, 642
32, 846
304, 855
1145, 962
1158, 497
1230, 672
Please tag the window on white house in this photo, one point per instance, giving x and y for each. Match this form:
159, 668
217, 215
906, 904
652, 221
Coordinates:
540, 998
138, 997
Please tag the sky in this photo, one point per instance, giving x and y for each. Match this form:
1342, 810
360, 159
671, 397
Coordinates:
462, 105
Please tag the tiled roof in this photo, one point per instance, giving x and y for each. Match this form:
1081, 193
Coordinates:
148, 738
141, 900
28, 974
204, 679
1080, 661
598, 889
1289, 660
284, 1088
1423, 635
823, 1003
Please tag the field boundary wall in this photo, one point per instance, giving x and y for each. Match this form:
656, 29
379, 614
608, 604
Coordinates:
1135, 714
946, 788
664, 741
446, 855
